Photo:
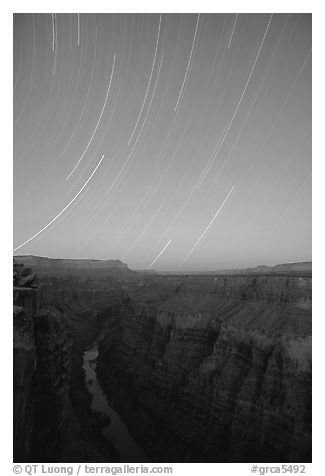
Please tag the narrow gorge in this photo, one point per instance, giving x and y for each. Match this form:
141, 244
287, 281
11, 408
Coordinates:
195, 368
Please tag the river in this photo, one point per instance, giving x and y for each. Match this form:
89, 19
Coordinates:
116, 431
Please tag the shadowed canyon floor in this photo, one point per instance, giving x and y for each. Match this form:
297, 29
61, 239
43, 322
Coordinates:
189, 368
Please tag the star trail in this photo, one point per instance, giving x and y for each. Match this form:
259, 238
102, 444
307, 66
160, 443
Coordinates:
207, 228
171, 141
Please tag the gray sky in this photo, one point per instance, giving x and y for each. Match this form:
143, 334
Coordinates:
204, 122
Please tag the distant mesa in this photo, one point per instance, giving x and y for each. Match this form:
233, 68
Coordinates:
303, 267
43, 265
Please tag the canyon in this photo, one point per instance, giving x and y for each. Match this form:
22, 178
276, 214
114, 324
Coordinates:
199, 367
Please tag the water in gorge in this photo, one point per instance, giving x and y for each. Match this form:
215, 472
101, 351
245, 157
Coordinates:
115, 431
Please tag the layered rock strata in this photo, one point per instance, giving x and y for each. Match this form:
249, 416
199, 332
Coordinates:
220, 371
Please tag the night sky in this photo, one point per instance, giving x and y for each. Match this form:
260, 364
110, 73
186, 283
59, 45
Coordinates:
172, 141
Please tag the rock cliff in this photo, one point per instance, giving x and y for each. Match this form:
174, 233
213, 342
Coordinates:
55, 319
24, 362
41, 372
219, 370
62, 267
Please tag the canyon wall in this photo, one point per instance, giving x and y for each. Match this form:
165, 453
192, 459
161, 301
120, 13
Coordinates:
24, 362
55, 319
41, 373
219, 370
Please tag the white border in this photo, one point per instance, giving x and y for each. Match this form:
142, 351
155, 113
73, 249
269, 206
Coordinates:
318, 197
